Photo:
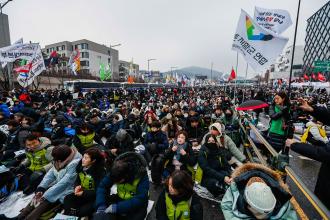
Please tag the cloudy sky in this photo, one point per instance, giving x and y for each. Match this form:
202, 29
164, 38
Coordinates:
175, 32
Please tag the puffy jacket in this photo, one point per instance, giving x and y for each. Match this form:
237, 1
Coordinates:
142, 189
159, 138
59, 183
5, 110
233, 204
122, 147
227, 142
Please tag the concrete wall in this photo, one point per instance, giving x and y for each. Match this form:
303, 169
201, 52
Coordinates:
4, 31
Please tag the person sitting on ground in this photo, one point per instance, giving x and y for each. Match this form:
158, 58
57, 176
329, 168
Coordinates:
156, 141
257, 192
180, 156
130, 176
214, 170
119, 143
90, 173
178, 200
231, 123
56, 184
225, 141
85, 138
37, 163
195, 132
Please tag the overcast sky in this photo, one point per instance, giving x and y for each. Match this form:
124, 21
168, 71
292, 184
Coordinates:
175, 32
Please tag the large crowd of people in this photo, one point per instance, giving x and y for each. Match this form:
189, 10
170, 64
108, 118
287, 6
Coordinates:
90, 156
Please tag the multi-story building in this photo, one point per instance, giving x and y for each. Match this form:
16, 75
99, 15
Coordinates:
125, 68
317, 41
91, 55
281, 68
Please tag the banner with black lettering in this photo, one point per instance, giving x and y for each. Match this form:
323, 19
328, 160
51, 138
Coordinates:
259, 46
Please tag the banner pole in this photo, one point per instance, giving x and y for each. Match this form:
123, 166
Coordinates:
236, 78
293, 48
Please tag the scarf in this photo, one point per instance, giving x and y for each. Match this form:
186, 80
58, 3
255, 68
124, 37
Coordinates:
180, 146
60, 165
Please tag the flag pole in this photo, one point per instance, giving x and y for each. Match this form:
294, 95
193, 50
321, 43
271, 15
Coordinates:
293, 48
246, 72
236, 78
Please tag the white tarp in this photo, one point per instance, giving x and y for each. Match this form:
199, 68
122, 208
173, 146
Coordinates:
259, 47
276, 20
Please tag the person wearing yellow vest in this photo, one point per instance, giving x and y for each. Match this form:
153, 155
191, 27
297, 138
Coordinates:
86, 138
315, 134
90, 172
128, 173
37, 162
178, 201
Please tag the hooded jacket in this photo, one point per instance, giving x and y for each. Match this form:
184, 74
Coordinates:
30, 161
59, 183
122, 146
233, 204
227, 142
140, 199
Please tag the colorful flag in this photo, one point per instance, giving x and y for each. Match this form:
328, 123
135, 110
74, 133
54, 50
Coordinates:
306, 77
23, 68
52, 60
314, 76
276, 20
259, 46
232, 75
74, 61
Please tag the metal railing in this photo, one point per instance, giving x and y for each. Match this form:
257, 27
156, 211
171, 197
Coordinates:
310, 196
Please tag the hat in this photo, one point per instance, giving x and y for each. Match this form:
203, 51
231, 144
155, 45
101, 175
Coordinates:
260, 197
121, 135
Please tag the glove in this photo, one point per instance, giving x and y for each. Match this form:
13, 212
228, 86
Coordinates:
111, 209
101, 209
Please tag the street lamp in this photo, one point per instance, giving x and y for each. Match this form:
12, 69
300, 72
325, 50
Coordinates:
149, 62
3, 5
112, 46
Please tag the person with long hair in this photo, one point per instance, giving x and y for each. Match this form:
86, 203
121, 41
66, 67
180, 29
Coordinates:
178, 201
279, 113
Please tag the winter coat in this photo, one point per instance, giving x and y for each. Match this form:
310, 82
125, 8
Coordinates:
77, 142
97, 173
195, 133
279, 116
214, 162
233, 204
159, 138
314, 135
188, 159
58, 184
140, 199
113, 128
196, 208
227, 142
5, 110
43, 152
125, 146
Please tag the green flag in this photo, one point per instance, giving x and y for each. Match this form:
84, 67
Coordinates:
108, 72
102, 72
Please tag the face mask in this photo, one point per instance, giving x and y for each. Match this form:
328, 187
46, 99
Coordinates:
211, 146
228, 115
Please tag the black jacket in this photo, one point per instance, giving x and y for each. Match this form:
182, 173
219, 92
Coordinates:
214, 162
196, 208
122, 147
195, 133
188, 159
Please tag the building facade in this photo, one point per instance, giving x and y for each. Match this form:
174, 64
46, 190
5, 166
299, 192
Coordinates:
317, 41
91, 56
125, 68
281, 68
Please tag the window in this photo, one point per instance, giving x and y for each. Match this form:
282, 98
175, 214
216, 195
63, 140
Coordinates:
63, 47
84, 63
58, 48
84, 55
77, 46
47, 50
84, 46
109, 60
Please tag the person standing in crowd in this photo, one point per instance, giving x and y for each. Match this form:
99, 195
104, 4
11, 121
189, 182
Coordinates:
319, 153
279, 113
257, 192
129, 174
230, 121
178, 200
56, 184
90, 173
